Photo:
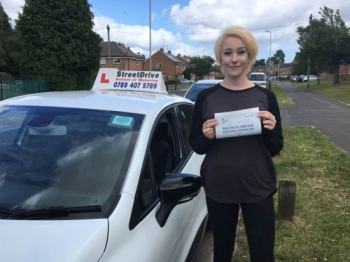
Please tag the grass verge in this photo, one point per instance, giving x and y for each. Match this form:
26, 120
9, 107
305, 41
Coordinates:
321, 225
283, 99
339, 92
179, 86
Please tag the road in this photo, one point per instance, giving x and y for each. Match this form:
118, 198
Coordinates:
332, 118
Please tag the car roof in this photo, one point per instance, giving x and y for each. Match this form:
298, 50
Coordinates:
126, 101
209, 81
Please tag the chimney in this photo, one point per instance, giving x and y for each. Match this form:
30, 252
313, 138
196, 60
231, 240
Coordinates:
162, 49
169, 52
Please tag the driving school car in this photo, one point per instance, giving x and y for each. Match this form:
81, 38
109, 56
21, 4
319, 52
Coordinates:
100, 175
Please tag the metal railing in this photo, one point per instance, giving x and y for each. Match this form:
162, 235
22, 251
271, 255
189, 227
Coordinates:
16, 87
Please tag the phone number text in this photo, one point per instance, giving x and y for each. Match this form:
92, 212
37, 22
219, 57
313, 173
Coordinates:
135, 85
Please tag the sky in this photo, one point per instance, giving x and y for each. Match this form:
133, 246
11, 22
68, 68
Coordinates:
191, 27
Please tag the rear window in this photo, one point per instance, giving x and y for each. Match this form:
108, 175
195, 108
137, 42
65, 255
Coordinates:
196, 89
257, 77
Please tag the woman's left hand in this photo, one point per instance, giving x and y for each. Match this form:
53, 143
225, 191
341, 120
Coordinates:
268, 119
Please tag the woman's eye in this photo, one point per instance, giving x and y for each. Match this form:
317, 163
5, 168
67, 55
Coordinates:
227, 53
241, 52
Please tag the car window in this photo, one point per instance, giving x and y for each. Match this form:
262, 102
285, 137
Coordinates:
64, 157
10, 123
185, 116
257, 77
163, 156
196, 89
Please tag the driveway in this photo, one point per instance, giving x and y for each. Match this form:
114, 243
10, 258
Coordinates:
332, 118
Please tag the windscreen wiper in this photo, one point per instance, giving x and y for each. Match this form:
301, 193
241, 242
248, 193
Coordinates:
5, 211
55, 211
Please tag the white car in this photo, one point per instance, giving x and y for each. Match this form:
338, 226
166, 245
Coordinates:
102, 175
186, 81
258, 78
200, 85
311, 78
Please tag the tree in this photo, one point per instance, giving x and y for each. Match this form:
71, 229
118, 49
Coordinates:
279, 57
187, 72
201, 65
9, 45
59, 43
327, 41
260, 62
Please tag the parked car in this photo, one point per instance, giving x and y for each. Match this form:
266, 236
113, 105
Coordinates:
186, 81
295, 78
258, 78
311, 78
200, 85
283, 77
100, 175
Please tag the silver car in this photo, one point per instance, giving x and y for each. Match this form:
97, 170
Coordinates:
200, 85
311, 78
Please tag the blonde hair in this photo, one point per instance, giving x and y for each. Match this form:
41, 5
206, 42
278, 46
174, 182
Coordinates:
247, 38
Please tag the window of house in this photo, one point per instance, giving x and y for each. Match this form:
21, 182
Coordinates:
116, 60
137, 62
159, 65
102, 61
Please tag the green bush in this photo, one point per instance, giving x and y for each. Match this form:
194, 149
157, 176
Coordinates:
174, 81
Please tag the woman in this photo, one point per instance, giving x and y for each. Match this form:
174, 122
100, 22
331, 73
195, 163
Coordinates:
238, 172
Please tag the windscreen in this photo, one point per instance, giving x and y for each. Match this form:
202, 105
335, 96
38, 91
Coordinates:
196, 88
257, 77
53, 157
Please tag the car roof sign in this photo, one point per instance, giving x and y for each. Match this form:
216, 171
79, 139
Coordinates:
119, 80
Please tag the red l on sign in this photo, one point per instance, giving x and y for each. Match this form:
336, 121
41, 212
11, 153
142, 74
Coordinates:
103, 79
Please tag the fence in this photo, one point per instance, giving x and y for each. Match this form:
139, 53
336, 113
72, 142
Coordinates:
13, 87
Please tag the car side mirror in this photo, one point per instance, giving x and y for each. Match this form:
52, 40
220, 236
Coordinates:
176, 189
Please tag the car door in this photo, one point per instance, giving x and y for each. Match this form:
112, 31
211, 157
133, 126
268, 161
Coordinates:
166, 154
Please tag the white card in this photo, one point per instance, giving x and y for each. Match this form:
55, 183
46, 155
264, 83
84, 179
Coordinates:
238, 123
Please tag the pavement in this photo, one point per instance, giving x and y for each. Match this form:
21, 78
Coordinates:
331, 117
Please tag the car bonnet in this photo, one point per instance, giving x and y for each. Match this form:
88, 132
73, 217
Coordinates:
56, 240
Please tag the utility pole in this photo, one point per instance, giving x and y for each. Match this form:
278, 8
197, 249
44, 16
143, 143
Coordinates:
269, 61
309, 59
109, 48
150, 35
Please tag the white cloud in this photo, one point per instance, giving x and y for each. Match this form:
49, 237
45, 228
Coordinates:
199, 23
12, 7
205, 19
134, 36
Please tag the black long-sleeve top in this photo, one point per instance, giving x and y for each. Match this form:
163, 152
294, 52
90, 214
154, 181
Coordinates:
237, 169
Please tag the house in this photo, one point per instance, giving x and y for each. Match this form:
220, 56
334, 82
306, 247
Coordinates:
170, 65
344, 74
261, 68
184, 59
120, 57
282, 70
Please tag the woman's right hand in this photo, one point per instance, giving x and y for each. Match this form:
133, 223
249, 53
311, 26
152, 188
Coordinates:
209, 128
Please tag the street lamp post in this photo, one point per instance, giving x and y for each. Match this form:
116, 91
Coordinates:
150, 35
109, 48
269, 61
